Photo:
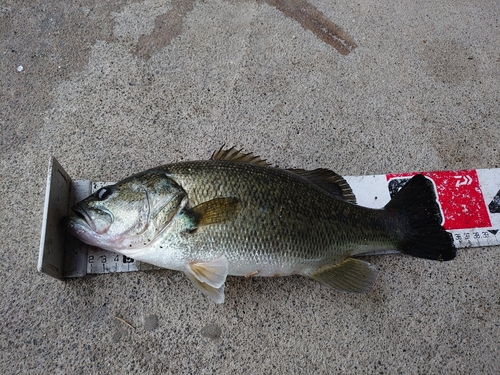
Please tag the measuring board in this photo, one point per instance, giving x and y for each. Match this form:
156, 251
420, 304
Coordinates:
469, 202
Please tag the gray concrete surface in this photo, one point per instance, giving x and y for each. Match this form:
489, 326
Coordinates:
111, 88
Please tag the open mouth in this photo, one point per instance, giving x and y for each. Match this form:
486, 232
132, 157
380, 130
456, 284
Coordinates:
82, 214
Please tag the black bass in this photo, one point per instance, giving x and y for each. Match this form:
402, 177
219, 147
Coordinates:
236, 215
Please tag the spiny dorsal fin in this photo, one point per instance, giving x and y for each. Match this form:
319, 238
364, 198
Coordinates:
233, 154
328, 181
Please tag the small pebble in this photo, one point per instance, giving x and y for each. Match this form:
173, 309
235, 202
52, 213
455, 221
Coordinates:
20, 68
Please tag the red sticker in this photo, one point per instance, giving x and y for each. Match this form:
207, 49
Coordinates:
460, 197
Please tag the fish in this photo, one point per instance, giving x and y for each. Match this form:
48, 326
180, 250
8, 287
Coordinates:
236, 214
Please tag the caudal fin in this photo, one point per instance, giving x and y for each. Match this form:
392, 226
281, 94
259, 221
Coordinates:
425, 237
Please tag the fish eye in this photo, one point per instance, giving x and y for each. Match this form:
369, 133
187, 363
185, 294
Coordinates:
103, 193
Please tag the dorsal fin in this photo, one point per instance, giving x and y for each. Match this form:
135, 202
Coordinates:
328, 181
237, 156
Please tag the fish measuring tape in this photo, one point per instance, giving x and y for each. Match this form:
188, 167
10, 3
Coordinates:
469, 202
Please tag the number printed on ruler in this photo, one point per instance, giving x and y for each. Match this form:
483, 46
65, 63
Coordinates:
476, 237
102, 261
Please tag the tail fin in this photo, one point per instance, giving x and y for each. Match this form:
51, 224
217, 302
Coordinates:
426, 237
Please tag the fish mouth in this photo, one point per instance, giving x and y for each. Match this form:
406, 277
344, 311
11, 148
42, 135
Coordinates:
84, 217
89, 225
92, 220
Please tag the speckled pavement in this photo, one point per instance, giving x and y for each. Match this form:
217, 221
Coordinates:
112, 88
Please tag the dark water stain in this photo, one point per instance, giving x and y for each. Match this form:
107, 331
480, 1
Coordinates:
467, 143
150, 322
449, 61
117, 335
35, 35
212, 331
169, 25
310, 18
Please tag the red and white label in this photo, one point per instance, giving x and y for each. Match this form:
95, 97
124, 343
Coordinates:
460, 196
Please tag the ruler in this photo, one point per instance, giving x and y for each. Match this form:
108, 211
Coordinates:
469, 201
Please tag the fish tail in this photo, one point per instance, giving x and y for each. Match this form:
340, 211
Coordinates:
424, 236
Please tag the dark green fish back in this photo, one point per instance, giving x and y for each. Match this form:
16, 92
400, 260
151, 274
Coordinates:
284, 217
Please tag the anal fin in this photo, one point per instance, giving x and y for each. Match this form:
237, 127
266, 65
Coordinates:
351, 276
213, 272
215, 294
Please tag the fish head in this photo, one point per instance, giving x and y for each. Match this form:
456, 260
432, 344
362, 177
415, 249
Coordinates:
128, 215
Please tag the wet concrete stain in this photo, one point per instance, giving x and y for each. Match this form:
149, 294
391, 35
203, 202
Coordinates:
36, 40
151, 322
169, 25
310, 18
211, 331
452, 140
449, 61
34, 37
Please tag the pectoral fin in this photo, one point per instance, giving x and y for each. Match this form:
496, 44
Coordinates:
213, 273
215, 294
214, 211
351, 276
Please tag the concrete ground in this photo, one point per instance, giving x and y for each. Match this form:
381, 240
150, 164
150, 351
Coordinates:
114, 87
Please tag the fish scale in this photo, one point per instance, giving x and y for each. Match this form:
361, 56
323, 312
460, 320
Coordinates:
236, 215
294, 212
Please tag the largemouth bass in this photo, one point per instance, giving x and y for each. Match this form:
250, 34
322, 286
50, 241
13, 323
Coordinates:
237, 215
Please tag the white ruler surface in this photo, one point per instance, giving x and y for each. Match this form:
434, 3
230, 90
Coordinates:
469, 202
